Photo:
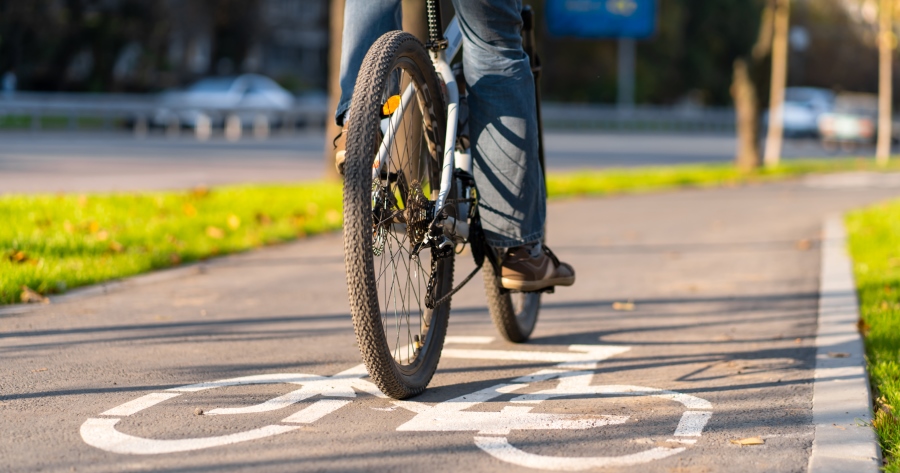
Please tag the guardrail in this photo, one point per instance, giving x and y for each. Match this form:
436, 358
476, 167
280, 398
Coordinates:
141, 112
647, 118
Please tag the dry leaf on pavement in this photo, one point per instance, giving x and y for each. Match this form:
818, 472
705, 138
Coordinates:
30, 296
838, 354
623, 306
748, 441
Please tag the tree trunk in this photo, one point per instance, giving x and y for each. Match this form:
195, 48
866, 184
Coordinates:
336, 29
779, 80
886, 41
743, 92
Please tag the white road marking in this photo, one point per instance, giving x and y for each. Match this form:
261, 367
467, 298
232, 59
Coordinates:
315, 411
139, 404
571, 371
692, 423
102, 433
579, 357
451, 416
499, 448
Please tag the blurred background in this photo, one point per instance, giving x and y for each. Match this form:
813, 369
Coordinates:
122, 94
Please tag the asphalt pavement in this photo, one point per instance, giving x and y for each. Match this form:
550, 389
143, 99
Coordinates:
719, 347
80, 162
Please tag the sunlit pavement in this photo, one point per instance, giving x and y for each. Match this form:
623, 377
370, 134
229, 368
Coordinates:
719, 347
81, 162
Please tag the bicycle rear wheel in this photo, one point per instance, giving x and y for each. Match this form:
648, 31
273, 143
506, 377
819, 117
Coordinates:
386, 216
514, 314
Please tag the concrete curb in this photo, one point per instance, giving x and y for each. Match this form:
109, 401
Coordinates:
842, 403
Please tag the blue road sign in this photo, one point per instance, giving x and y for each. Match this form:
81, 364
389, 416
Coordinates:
601, 18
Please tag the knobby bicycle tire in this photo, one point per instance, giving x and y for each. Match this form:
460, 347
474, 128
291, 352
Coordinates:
514, 314
373, 217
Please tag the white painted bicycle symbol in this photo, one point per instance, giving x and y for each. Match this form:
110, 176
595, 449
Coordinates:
572, 373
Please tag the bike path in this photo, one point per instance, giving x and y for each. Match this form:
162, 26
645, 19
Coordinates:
719, 346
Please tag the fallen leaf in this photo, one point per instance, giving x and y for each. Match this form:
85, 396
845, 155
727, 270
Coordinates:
174, 258
263, 219
798, 340
39, 370
627, 306
30, 296
18, 257
838, 354
234, 222
748, 441
102, 235
189, 209
93, 227
200, 191
215, 232
863, 327
116, 247
803, 244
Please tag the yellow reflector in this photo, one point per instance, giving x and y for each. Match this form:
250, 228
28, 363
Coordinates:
392, 104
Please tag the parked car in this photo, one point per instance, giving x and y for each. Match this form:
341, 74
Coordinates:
802, 108
246, 96
852, 122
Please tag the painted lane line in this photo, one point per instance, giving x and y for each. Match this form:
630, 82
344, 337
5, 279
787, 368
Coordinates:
685, 441
273, 404
577, 383
290, 378
315, 411
139, 404
692, 423
499, 448
102, 433
580, 357
451, 416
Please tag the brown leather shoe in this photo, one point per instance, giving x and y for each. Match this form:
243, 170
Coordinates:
522, 272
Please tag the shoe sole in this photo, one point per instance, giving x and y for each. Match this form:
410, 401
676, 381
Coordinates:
528, 286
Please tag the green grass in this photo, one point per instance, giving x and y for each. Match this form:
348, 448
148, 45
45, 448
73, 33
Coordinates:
645, 179
51, 243
875, 248
54, 242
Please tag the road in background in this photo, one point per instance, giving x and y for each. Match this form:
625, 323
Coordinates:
77, 162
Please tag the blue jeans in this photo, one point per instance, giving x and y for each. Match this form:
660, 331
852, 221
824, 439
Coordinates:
502, 115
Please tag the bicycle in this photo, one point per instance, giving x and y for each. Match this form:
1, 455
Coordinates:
411, 205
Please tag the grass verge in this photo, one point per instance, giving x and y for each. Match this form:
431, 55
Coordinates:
51, 243
875, 247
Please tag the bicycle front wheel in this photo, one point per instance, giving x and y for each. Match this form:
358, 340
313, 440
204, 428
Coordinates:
388, 207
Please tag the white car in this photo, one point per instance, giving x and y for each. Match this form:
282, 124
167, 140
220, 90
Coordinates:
246, 96
802, 108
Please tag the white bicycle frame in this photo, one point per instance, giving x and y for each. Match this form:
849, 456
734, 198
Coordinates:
440, 61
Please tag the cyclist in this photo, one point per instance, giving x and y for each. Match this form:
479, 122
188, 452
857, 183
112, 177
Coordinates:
502, 126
